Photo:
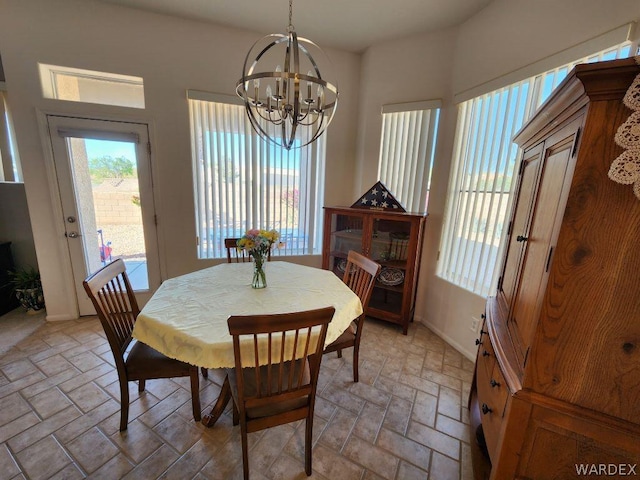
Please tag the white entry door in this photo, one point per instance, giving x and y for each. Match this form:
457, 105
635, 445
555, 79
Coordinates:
103, 171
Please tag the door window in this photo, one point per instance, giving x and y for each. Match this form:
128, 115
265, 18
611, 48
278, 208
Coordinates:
104, 180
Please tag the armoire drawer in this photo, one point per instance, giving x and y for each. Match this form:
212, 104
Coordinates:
486, 356
492, 399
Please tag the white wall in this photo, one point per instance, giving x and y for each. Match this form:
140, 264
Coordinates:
506, 36
172, 55
510, 34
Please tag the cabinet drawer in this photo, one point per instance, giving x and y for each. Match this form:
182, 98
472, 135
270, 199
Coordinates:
492, 398
486, 356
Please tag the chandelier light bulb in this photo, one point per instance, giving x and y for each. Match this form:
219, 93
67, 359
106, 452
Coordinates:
269, 97
278, 82
309, 100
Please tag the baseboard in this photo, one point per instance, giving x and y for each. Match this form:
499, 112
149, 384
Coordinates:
60, 318
470, 355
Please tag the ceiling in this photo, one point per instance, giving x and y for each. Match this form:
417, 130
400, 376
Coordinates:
351, 25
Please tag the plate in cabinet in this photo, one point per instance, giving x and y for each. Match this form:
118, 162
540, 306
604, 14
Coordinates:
391, 276
342, 265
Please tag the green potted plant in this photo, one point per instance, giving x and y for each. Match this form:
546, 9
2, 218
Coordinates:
28, 288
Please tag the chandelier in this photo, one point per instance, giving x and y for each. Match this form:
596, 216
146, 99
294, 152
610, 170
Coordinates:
291, 101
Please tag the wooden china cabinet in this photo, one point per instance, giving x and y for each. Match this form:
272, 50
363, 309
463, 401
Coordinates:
557, 380
393, 239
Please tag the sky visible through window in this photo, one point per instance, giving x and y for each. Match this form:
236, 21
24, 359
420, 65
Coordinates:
114, 149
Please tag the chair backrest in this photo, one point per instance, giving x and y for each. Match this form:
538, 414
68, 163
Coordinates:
266, 344
112, 296
237, 256
233, 254
360, 275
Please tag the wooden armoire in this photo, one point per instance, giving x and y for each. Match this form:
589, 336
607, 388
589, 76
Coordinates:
556, 391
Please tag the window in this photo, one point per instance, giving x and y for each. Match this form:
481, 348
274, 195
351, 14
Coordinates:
89, 86
407, 148
9, 161
242, 181
483, 165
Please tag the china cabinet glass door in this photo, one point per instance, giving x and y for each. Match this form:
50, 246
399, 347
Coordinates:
390, 248
347, 233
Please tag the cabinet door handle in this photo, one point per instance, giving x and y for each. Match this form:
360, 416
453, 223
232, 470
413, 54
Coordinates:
521, 238
494, 383
486, 409
549, 259
575, 143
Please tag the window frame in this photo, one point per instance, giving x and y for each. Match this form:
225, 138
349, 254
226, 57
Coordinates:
102, 95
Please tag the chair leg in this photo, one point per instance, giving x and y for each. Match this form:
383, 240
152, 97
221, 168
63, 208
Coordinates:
307, 445
236, 414
141, 385
355, 364
245, 448
205, 372
339, 353
195, 394
124, 404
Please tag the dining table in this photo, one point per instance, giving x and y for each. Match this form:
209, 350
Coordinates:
186, 318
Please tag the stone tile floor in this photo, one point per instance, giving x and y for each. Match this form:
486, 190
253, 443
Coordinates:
405, 419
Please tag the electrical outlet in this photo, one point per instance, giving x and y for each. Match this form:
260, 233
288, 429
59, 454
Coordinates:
475, 322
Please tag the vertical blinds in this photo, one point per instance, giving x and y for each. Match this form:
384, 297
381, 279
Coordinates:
243, 182
406, 155
481, 181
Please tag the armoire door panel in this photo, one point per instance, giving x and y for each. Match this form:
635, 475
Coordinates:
545, 217
530, 166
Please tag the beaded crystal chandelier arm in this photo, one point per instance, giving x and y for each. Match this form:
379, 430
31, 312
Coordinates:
279, 108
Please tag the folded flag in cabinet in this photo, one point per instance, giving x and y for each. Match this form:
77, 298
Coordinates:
378, 198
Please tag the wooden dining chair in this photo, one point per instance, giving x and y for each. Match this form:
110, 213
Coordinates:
238, 256
267, 386
112, 296
360, 276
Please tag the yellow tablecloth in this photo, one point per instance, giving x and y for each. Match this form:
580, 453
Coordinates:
187, 316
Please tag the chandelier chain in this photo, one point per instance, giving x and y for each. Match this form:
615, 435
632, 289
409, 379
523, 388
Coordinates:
290, 13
